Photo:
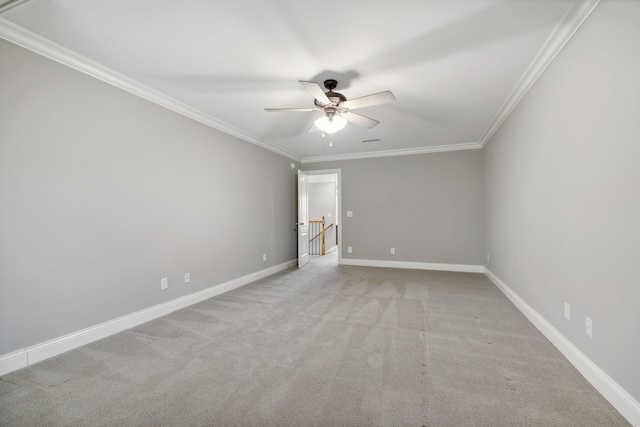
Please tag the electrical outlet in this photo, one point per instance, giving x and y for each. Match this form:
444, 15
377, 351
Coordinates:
488, 257
349, 214
393, 251
187, 277
264, 257
567, 311
589, 327
349, 249
164, 283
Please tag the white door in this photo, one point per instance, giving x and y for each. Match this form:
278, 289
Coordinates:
303, 219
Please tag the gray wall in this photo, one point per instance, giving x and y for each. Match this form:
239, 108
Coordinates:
428, 207
322, 201
102, 194
563, 192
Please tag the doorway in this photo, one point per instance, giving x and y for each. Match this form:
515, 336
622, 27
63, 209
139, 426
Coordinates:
324, 202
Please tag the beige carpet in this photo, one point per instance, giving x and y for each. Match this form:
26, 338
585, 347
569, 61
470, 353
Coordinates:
321, 346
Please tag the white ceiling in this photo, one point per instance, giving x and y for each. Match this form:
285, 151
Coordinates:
453, 65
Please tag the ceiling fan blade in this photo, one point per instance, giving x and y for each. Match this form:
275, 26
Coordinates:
369, 100
316, 91
290, 109
360, 120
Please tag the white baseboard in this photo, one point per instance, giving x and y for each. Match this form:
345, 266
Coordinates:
616, 395
19, 359
413, 265
13, 361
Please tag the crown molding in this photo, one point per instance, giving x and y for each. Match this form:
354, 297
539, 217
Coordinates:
9, 4
42, 46
392, 153
573, 18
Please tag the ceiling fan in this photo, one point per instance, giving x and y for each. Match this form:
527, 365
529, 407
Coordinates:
336, 107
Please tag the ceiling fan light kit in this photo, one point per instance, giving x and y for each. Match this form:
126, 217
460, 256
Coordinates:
336, 108
331, 124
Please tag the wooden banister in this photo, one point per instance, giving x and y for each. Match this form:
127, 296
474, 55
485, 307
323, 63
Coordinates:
321, 233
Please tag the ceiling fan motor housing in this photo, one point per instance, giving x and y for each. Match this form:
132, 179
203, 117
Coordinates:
335, 97
330, 111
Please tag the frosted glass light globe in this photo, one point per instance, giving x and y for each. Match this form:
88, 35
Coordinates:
331, 124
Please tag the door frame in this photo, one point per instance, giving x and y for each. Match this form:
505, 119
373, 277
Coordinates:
302, 224
338, 173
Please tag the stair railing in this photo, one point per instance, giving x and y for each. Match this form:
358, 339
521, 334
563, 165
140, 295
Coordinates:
318, 229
